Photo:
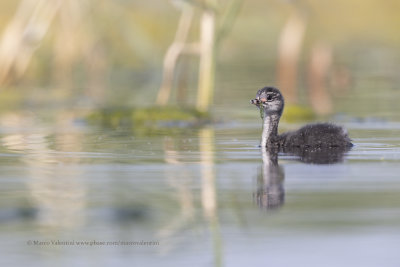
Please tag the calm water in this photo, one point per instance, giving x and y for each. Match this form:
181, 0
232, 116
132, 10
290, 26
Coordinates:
206, 197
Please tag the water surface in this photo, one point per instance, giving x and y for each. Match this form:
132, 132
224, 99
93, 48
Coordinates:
193, 192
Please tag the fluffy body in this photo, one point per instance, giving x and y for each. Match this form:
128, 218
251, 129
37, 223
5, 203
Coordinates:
318, 135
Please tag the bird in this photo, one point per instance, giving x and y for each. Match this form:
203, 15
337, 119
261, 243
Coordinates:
315, 136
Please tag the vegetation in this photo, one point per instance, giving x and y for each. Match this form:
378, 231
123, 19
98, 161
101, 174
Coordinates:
155, 117
296, 113
102, 52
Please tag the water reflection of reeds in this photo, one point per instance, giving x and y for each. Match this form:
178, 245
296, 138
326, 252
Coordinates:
56, 193
182, 182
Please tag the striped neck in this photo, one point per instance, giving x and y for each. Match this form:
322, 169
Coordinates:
270, 129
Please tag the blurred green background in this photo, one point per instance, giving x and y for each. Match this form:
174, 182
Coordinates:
89, 54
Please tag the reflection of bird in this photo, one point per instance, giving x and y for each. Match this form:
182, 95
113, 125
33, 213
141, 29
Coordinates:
312, 136
270, 192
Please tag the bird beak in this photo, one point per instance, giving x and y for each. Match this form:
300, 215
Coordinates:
255, 101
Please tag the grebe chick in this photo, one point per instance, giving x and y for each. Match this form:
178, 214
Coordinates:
312, 136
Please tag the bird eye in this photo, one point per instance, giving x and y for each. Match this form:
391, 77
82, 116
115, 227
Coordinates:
269, 97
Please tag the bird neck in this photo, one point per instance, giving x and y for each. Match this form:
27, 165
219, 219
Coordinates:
270, 128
